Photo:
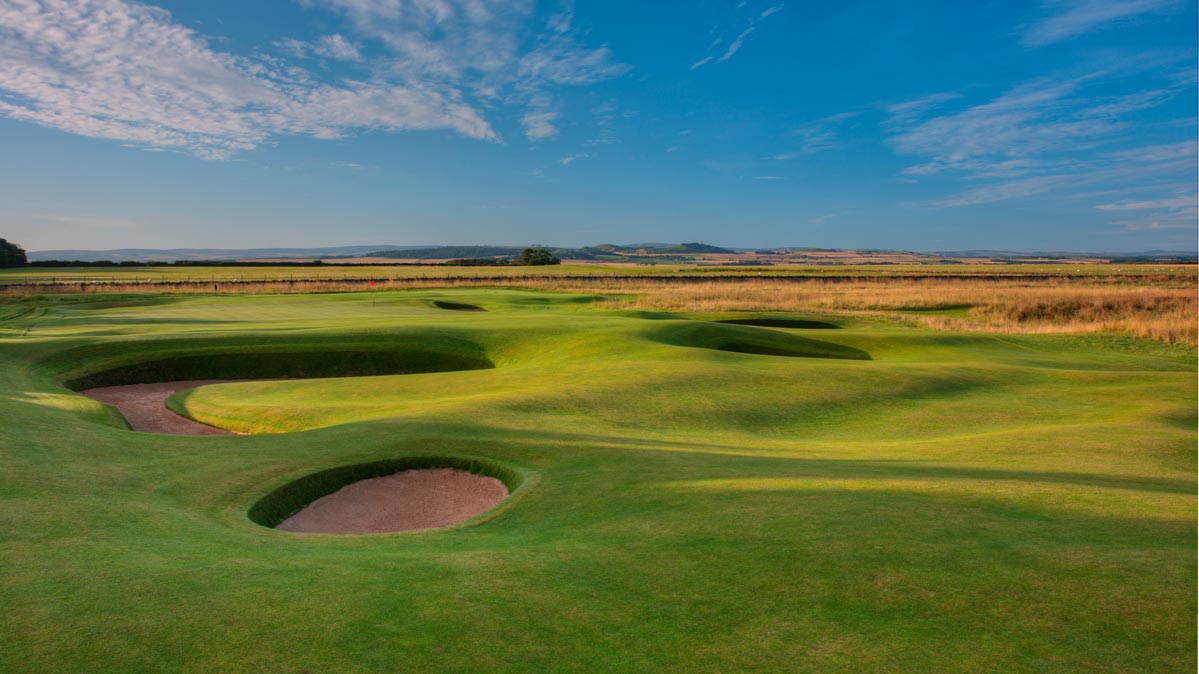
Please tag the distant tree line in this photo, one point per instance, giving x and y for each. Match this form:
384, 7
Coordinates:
12, 255
176, 263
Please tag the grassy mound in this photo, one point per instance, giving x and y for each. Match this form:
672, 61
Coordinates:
744, 339
796, 323
294, 496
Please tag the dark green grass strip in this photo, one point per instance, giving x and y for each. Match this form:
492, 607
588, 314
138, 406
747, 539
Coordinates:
456, 306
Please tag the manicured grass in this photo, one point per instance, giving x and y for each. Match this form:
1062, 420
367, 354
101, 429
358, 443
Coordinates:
884, 498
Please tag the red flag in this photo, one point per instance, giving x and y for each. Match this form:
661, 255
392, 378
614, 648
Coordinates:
372, 281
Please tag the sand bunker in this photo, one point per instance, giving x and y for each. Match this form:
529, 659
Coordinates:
144, 406
413, 499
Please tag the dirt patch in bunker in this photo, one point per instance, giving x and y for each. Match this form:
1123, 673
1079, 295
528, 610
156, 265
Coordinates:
424, 498
144, 406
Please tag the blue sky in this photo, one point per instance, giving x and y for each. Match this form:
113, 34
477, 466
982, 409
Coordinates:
1041, 125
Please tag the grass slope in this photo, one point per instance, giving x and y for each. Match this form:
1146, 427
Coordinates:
954, 503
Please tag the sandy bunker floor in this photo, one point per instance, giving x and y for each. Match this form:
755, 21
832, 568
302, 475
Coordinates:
144, 406
413, 499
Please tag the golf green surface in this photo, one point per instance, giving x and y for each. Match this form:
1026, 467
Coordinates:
693, 496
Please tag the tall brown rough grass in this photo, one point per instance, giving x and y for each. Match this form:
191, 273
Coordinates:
1167, 313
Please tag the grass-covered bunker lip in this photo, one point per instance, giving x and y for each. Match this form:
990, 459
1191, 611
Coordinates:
284, 501
750, 340
276, 361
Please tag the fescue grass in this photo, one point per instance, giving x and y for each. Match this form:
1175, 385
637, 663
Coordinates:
1164, 310
958, 502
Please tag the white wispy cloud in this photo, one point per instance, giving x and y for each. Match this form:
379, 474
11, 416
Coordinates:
715, 56
1068, 19
1045, 136
538, 121
735, 46
1177, 211
822, 134
1038, 125
907, 111
484, 49
327, 46
1151, 204
769, 178
1186, 149
126, 71
571, 158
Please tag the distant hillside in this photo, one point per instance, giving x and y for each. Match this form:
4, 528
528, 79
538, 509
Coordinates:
446, 252
199, 254
687, 249
646, 253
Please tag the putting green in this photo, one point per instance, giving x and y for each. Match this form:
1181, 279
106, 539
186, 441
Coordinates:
871, 498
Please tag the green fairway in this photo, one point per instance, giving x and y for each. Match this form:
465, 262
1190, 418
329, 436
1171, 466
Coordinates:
694, 496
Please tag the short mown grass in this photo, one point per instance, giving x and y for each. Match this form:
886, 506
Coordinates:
885, 498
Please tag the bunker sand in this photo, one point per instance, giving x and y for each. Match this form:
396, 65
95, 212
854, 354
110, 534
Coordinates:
144, 406
404, 501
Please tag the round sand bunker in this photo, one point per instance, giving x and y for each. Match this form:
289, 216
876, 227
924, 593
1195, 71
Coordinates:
413, 499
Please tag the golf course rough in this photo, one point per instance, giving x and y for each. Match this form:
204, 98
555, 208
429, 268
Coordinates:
883, 498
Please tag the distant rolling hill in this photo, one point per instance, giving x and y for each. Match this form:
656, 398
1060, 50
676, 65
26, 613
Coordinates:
446, 252
200, 254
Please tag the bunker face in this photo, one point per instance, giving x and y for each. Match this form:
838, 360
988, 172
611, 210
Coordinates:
751, 340
456, 306
794, 323
144, 406
413, 499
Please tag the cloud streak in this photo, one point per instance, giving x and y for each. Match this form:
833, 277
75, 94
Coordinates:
821, 135
126, 71
1049, 137
738, 42
1071, 18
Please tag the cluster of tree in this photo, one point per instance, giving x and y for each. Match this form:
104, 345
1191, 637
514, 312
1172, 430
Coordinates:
12, 255
537, 256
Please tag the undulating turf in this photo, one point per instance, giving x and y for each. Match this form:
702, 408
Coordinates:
877, 498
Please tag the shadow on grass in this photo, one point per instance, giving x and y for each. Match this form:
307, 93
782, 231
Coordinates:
794, 323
